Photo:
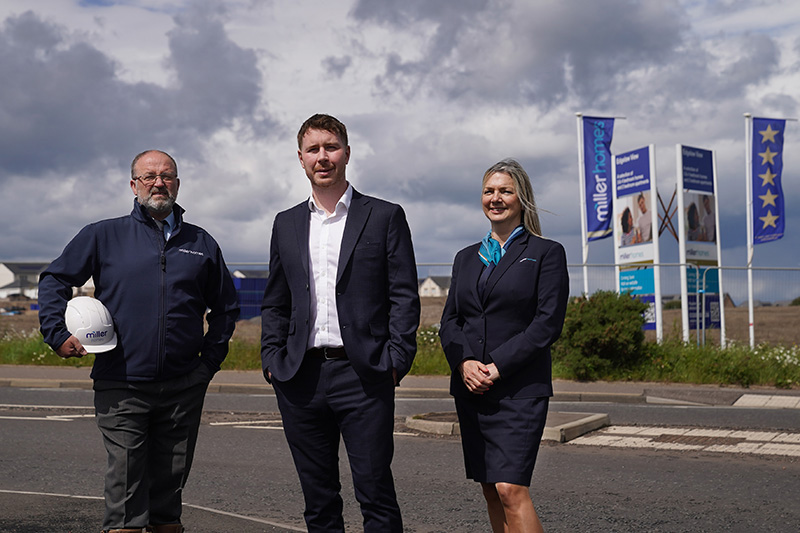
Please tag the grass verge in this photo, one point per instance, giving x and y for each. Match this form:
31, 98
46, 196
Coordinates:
671, 361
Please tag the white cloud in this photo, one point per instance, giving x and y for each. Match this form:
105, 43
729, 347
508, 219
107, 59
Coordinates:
433, 93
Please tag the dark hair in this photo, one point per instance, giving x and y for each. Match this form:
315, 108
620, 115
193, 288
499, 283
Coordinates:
693, 216
626, 226
142, 154
325, 123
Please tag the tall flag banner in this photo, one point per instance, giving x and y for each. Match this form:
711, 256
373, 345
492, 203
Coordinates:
635, 239
597, 161
698, 241
768, 214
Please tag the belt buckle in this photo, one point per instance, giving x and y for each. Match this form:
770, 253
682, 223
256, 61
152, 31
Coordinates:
325, 354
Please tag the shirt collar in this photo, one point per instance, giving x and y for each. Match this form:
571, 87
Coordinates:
344, 201
170, 220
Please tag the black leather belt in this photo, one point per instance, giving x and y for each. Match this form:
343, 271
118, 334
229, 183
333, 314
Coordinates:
327, 353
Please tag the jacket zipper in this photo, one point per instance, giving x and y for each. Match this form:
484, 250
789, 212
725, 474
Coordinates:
162, 314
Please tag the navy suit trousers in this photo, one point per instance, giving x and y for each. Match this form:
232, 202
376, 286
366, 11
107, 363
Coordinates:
324, 400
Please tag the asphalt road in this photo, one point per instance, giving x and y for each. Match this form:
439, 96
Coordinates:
243, 479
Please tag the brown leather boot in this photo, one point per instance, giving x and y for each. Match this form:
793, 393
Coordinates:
166, 528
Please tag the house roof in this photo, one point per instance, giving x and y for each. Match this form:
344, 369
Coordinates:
25, 268
441, 281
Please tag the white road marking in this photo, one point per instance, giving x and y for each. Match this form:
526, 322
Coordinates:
712, 440
28, 406
193, 506
49, 418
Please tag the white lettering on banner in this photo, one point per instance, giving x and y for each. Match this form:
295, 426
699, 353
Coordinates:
621, 160
600, 198
688, 152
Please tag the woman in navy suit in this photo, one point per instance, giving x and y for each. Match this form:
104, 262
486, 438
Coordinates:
506, 306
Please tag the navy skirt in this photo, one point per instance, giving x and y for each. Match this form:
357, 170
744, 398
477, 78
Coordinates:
501, 439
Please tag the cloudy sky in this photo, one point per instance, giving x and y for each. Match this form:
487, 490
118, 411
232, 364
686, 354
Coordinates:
433, 92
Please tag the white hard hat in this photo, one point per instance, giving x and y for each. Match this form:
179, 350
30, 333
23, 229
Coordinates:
90, 322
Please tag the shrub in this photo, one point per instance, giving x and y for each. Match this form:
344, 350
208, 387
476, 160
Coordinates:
796, 301
672, 304
430, 359
602, 334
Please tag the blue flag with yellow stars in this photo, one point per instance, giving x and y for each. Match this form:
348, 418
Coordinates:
768, 215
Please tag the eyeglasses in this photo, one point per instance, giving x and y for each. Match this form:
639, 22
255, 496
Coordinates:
150, 179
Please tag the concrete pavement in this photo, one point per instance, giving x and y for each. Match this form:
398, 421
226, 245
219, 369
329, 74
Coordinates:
561, 426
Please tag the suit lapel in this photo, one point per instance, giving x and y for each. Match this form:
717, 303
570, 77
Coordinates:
471, 274
357, 215
302, 224
509, 258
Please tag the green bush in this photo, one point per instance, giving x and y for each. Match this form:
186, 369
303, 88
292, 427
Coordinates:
796, 301
602, 334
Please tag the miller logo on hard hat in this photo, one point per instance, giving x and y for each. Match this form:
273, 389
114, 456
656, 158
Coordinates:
89, 320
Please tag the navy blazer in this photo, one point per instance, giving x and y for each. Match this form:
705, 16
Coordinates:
513, 325
376, 291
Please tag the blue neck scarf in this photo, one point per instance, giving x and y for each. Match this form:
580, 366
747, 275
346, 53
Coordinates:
491, 252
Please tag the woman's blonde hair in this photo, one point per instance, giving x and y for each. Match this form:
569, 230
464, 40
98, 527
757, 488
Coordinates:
524, 190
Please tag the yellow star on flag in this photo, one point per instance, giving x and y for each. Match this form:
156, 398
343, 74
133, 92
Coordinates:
768, 134
768, 156
769, 199
768, 177
769, 220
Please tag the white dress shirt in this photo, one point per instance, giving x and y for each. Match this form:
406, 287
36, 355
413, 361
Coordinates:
324, 244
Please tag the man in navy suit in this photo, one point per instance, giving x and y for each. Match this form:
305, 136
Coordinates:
339, 321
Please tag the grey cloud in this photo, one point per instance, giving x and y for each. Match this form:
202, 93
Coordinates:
337, 65
403, 13
64, 107
522, 53
759, 60
217, 80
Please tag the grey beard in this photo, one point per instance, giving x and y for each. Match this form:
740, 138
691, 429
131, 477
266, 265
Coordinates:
160, 207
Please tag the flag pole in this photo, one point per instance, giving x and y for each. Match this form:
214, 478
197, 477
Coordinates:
722, 339
748, 158
582, 189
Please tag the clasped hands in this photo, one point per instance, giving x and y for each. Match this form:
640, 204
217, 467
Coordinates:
477, 376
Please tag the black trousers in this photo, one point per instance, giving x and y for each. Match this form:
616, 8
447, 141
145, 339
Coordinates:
326, 400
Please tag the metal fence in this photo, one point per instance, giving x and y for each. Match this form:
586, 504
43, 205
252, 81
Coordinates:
775, 321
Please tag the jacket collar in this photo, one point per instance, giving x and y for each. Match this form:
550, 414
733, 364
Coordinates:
140, 213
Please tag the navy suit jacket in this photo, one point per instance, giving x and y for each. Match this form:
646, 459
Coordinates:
513, 325
376, 291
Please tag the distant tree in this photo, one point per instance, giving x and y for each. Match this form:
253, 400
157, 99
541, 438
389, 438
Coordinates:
796, 301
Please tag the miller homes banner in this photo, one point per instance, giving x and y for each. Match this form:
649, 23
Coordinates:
635, 191
597, 134
698, 242
636, 230
768, 214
